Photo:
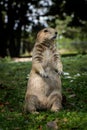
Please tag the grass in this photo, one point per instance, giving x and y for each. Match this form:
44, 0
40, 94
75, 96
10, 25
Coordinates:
13, 81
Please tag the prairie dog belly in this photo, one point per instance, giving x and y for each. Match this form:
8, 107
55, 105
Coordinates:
43, 87
49, 64
48, 60
53, 82
47, 57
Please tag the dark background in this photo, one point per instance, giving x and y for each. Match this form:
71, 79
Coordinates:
20, 20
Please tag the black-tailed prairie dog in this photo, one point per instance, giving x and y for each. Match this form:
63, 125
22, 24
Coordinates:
44, 84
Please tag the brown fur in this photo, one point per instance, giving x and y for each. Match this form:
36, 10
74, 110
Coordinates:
44, 85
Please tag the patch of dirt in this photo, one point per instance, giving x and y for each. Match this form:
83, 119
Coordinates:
22, 59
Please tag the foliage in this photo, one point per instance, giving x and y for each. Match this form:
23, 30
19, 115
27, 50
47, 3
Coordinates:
15, 19
62, 8
18, 17
80, 46
71, 32
73, 39
13, 80
71, 46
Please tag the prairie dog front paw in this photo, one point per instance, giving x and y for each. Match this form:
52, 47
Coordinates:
43, 74
60, 72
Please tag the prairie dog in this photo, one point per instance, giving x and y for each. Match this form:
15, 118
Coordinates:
44, 84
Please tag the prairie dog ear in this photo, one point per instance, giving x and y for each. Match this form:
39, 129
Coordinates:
38, 34
45, 30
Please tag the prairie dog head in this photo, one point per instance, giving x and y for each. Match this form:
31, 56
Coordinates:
46, 34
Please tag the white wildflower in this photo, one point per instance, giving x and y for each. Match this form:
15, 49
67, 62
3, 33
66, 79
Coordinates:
66, 73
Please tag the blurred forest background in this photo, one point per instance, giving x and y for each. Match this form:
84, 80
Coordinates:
20, 20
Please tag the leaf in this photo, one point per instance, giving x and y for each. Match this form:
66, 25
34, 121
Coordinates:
52, 125
72, 96
65, 120
7, 103
1, 105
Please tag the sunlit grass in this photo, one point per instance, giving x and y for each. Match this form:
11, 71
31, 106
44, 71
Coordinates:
13, 82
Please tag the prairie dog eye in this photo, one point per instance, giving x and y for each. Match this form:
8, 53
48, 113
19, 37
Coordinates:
56, 33
45, 30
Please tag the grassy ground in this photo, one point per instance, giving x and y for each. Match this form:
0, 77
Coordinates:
13, 80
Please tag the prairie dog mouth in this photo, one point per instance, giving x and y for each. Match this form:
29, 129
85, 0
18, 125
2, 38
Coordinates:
54, 37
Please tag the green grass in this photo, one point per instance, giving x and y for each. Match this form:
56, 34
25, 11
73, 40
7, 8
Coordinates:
13, 82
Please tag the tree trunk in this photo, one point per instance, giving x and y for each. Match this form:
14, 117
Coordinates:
3, 45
